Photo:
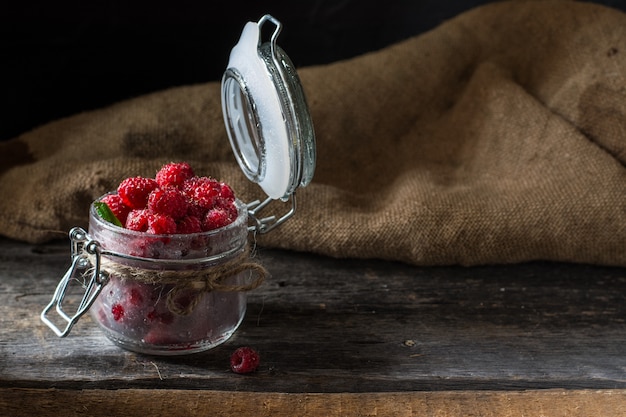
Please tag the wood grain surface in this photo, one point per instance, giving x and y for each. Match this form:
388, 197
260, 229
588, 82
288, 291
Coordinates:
195, 403
355, 335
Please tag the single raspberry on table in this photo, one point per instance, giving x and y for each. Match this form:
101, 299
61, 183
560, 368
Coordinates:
168, 201
244, 360
134, 191
174, 174
117, 206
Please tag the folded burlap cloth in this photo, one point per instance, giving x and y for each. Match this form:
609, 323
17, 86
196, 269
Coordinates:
497, 137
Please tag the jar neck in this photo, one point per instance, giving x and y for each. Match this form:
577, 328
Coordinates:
174, 264
174, 252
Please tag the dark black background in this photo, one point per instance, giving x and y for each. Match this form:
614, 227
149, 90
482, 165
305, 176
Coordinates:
63, 57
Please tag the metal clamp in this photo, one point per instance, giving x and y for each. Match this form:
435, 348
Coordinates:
275, 33
265, 224
82, 250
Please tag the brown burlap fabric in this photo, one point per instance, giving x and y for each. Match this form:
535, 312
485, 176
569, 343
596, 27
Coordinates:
498, 137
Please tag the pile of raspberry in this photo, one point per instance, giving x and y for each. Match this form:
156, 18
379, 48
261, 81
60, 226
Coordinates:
176, 201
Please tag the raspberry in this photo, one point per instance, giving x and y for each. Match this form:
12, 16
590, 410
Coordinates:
215, 219
117, 206
134, 191
164, 318
137, 220
168, 201
118, 311
161, 224
189, 224
244, 360
226, 192
229, 207
203, 191
135, 297
196, 211
174, 174
127, 305
176, 201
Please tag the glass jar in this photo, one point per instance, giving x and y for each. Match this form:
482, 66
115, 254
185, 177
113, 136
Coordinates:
172, 294
178, 294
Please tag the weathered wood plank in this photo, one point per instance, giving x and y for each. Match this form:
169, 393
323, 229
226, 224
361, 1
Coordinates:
328, 325
194, 403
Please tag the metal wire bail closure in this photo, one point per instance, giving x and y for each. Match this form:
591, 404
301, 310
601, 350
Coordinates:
268, 121
80, 269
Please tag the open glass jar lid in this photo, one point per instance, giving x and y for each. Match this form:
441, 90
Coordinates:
267, 119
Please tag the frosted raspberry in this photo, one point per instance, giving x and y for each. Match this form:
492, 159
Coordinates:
168, 201
229, 207
117, 206
189, 224
190, 184
226, 192
203, 191
137, 220
134, 191
215, 219
244, 360
175, 201
195, 210
174, 174
161, 224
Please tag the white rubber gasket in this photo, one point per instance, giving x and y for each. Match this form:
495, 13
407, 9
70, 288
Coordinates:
255, 81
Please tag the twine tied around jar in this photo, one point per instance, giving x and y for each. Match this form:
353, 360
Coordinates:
198, 282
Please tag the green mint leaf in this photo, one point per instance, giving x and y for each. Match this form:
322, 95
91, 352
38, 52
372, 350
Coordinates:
105, 212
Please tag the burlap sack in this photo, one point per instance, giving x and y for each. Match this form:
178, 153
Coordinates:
498, 137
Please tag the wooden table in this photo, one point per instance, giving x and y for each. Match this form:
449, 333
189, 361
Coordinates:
338, 337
